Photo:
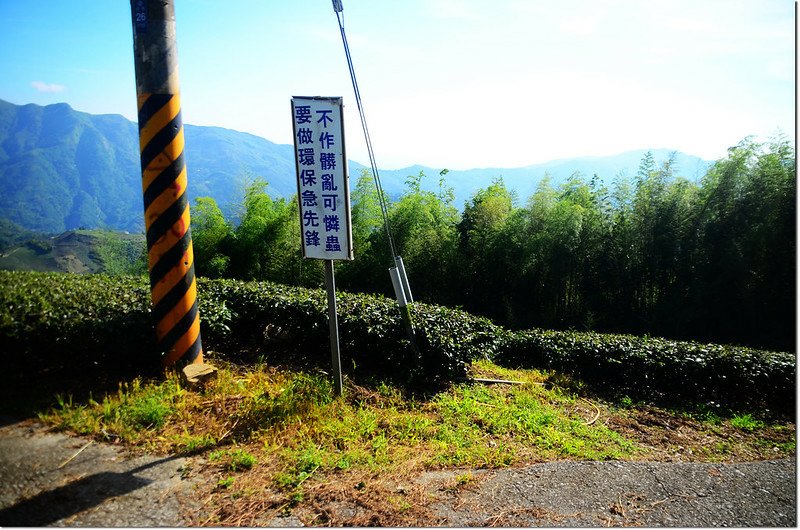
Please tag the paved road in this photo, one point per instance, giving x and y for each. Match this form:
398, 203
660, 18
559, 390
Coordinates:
51, 479
627, 493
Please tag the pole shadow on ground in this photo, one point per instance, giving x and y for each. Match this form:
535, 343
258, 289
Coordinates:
49, 507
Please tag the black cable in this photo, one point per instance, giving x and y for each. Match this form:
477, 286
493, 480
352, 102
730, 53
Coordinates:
373, 165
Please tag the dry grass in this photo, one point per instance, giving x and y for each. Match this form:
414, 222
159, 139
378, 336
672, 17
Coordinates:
276, 442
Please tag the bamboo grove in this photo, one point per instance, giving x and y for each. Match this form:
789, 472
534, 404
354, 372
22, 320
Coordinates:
651, 254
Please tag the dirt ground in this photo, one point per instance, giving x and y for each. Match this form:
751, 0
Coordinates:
52, 479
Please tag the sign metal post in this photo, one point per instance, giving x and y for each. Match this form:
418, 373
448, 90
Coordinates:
323, 196
333, 327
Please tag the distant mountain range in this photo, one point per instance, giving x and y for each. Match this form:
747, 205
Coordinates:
61, 169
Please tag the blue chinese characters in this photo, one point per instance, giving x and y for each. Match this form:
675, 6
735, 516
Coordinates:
322, 188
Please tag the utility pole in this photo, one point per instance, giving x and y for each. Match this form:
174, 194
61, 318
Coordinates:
166, 207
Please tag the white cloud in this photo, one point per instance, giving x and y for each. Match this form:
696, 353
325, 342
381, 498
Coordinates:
779, 70
453, 9
580, 26
41, 86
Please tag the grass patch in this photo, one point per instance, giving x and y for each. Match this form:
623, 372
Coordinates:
134, 414
233, 459
302, 427
279, 438
746, 422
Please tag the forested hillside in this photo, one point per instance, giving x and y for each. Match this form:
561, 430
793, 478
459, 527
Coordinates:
654, 254
75, 251
61, 169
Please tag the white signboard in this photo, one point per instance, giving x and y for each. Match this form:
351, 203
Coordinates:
322, 182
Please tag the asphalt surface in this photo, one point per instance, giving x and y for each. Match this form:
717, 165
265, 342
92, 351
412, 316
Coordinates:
578, 494
52, 479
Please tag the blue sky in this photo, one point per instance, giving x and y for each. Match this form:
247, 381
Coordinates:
445, 83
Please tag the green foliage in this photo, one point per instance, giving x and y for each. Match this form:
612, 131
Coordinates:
521, 414
370, 247
462, 425
12, 235
423, 227
379, 433
225, 483
79, 251
302, 462
371, 331
190, 443
233, 459
49, 318
136, 407
143, 407
300, 394
39, 246
746, 229
366, 214
710, 259
746, 422
653, 254
266, 243
53, 319
209, 233
241, 459
655, 368
483, 246
121, 253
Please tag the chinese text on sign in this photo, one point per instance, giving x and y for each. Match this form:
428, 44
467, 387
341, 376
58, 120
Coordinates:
322, 182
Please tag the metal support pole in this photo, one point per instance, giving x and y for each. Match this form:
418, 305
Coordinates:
402, 294
166, 206
333, 325
401, 270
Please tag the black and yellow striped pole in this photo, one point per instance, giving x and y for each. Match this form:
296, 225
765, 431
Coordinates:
166, 206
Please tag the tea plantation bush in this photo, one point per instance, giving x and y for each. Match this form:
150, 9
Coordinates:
656, 368
371, 333
49, 319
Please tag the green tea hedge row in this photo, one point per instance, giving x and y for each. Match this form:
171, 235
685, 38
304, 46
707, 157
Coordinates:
371, 333
53, 320
56, 318
653, 368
